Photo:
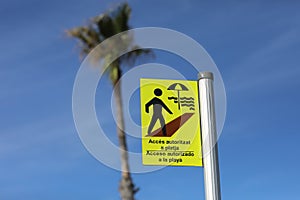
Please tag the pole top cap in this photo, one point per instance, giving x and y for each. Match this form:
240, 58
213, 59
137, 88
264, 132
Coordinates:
205, 75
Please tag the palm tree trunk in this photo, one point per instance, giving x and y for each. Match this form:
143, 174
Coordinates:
126, 187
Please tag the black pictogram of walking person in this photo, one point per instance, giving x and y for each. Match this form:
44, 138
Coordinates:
158, 104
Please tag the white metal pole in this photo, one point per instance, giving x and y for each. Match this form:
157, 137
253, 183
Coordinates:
209, 136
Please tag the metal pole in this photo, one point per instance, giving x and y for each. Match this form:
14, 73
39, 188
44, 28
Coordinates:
209, 136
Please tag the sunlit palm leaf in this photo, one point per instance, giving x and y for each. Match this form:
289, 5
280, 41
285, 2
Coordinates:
103, 27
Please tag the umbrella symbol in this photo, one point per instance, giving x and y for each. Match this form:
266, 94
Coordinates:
178, 87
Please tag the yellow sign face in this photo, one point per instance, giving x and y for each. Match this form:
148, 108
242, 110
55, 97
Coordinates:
170, 122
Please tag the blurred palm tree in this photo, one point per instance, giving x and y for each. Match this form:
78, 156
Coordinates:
96, 31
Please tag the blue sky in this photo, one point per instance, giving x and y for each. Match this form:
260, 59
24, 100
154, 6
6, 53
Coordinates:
256, 46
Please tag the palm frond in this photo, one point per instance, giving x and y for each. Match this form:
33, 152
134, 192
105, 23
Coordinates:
105, 26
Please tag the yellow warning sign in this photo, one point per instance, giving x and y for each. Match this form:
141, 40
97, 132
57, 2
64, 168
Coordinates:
170, 122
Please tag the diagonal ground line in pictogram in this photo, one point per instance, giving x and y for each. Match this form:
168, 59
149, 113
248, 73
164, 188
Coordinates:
172, 126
